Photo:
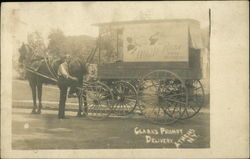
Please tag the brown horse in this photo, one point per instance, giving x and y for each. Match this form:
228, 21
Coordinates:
41, 70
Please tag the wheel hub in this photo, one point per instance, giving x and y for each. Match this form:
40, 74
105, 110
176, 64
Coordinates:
121, 98
96, 102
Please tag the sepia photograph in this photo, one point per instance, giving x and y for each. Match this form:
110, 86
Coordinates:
135, 82
109, 75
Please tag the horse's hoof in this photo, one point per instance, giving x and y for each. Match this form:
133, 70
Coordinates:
84, 114
81, 115
33, 112
78, 114
39, 112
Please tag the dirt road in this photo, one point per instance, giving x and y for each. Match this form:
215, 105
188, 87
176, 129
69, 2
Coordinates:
45, 131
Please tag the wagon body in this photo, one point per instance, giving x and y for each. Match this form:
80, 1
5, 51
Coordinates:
135, 70
179, 36
151, 64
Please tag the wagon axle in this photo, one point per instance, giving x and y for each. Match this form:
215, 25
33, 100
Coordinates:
96, 102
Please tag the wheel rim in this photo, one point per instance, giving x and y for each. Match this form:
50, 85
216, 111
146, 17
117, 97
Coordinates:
99, 99
195, 98
125, 97
163, 97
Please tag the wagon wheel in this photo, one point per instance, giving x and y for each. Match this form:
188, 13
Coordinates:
125, 97
195, 98
99, 101
163, 97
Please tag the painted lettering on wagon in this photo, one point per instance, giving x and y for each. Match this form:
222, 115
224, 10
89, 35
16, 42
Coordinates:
148, 52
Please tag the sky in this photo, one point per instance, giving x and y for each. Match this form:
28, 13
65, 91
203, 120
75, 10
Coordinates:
76, 18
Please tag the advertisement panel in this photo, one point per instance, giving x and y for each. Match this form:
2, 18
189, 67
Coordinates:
155, 42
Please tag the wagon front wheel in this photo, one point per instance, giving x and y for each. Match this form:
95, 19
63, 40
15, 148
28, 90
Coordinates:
125, 97
99, 101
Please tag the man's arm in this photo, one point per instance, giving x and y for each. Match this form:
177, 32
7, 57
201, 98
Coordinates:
65, 74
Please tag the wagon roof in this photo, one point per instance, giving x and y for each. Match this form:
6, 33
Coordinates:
147, 21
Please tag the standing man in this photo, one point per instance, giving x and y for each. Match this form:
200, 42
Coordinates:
65, 80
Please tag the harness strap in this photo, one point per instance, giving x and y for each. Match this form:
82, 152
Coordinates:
39, 74
51, 70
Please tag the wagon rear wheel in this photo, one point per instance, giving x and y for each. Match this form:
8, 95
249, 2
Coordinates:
125, 97
99, 101
195, 98
163, 97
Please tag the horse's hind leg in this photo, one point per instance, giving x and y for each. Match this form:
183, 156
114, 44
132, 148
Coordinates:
85, 103
82, 100
39, 92
79, 113
33, 89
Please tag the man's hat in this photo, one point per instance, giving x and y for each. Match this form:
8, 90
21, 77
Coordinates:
67, 56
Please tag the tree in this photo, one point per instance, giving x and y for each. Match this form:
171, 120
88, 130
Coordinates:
79, 46
36, 42
76, 46
57, 41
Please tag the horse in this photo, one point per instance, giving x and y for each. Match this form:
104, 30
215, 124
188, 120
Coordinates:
41, 71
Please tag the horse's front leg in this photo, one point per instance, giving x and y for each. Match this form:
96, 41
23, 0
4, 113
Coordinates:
79, 113
39, 92
33, 89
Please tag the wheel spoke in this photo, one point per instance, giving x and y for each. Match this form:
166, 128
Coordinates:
157, 117
197, 88
125, 97
176, 95
130, 96
193, 108
165, 90
196, 94
98, 97
174, 109
172, 100
127, 108
186, 112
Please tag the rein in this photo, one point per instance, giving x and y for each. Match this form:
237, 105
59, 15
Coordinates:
42, 75
51, 70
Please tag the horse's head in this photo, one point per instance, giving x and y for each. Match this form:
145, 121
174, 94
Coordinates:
25, 53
